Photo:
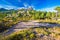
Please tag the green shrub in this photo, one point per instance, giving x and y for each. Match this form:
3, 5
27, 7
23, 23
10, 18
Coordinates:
22, 35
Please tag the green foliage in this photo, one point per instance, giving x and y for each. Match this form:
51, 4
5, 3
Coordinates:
35, 34
12, 17
48, 15
57, 8
22, 35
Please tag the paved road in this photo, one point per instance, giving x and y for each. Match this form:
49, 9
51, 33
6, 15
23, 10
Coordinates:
23, 25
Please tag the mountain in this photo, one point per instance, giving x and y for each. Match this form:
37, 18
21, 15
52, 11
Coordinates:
2, 9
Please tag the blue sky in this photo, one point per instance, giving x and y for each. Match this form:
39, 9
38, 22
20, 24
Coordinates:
46, 5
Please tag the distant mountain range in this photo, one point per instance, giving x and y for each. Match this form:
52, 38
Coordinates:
2, 9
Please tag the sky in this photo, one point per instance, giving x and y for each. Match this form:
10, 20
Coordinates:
45, 5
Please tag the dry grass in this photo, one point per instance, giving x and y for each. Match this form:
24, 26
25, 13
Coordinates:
41, 33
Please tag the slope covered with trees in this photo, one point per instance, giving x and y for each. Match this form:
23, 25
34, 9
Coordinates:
9, 18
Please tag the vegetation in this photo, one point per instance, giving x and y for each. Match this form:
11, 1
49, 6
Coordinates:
9, 18
36, 34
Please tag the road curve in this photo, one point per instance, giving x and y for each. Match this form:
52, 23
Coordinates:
24, 25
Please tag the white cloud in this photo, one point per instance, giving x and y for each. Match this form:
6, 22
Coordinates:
8, 7
19, 0
12, 7
51, 9
25, 5
1, 6
20, 7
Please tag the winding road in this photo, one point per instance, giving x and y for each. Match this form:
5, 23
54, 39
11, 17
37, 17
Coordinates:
24, 25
